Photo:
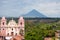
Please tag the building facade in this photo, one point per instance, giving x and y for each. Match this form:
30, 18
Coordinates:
47, 38
57, 35
11, 28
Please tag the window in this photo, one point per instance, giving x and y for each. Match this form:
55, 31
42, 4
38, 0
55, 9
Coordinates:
3, 23
8, 34
16, 34
12, 29
21, 23
3, 28
12, 33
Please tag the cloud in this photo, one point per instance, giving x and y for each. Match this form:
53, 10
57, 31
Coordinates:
49, 8
13, 7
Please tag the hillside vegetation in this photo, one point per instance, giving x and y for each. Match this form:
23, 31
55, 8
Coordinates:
37, 30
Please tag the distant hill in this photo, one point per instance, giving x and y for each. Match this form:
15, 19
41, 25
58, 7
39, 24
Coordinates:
34, 14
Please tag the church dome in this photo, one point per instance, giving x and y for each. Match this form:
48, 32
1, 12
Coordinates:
12, 23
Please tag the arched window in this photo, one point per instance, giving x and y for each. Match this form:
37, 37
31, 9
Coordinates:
12, 29
3, 23
16, 34
21, 23
3, 28
12, 33
8, 34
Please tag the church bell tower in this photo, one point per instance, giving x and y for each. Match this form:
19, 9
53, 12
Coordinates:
3, 22
21, 24
3, 25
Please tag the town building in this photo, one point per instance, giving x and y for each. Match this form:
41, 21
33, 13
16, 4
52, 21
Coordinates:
11, 29
47, 38
57, 35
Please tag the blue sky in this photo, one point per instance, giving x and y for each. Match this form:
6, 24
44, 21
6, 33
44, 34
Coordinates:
15, 8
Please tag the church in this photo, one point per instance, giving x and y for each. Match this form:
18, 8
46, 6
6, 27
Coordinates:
12, 28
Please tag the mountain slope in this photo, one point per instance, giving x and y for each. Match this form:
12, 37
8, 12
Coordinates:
34, 14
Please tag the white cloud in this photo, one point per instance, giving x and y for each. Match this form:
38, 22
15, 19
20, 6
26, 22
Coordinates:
48, 8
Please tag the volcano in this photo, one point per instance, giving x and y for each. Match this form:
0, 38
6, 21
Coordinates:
34, 14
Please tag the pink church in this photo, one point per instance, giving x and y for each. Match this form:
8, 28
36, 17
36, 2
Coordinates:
11, 28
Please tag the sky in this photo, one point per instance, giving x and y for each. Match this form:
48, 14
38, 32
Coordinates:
15, 8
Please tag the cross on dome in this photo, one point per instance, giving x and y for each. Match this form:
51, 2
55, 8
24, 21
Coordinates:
21, 18
3, 18
12, 19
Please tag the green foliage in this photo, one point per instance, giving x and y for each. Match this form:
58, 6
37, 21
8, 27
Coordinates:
38, 30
